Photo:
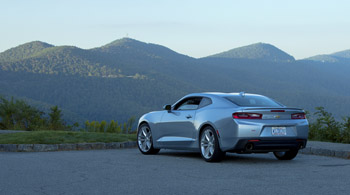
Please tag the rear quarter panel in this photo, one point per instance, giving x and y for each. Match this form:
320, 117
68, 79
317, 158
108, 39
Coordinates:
220, 118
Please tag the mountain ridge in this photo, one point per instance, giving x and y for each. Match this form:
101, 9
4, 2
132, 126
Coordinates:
340, 56
257, 51
23, 51
127, 43
127, 46
138, 77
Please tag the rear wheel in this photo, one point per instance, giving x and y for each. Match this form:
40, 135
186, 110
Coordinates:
288, 155
209, 146
145, 141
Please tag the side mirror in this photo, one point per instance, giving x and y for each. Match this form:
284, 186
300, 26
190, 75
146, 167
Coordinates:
167, 107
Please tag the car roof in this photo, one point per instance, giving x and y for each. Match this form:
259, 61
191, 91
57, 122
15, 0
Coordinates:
220, 94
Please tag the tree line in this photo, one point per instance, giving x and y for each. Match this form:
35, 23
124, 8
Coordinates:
18, 115
111, 127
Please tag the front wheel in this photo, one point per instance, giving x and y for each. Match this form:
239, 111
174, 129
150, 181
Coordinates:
144, 140
209, 146
288, 155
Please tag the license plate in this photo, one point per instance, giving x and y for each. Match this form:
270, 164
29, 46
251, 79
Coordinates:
279, 131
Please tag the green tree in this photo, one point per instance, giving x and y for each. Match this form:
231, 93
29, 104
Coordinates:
103, 126
118, 127
7, 112
97, 126
326, 127
17, 114
92, 126
56, 121
28, 117
111, 127
346, 130
130, 124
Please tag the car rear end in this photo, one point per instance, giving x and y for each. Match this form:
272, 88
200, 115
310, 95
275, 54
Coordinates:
263, 128
270, 129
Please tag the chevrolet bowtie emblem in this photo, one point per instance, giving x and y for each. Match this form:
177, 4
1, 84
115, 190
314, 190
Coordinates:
277, 116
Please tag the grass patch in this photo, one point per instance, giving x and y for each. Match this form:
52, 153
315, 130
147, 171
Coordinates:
60, 137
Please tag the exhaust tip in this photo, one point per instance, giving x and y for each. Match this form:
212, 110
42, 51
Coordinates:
249, 146
301, 146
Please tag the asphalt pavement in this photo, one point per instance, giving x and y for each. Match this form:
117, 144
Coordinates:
127, 171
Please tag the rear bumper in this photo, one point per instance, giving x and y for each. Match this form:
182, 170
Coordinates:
257, 145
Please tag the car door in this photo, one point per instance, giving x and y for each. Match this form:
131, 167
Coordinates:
177, 126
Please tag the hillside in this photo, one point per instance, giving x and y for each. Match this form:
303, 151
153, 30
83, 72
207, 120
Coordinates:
338, 57
128, 78
258, 51
342, 54
132, 47
121, 58
24, 51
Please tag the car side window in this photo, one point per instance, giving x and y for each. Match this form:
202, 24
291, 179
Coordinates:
188, 104
205, 102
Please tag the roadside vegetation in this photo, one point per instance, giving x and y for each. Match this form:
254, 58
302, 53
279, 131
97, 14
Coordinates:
324, 127
51, 128
111, 127
18, 115
60, 137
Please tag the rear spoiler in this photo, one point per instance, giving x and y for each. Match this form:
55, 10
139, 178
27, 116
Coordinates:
272, 108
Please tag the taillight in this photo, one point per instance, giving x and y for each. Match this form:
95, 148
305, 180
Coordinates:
298, 116
245, 115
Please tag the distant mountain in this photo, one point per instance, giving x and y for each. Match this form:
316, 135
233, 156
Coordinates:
323, 58
128, 78
128, 46
54, 60
342, 56
23, 51
119, 58
258, 51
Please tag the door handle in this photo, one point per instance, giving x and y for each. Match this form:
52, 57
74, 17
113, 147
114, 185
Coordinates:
188, 116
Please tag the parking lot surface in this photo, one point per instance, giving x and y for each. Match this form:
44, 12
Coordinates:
127, 171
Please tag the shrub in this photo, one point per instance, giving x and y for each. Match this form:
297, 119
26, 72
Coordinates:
346, 130
326, 128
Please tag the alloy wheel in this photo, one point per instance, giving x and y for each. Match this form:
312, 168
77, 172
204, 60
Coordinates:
145, 139
207, 144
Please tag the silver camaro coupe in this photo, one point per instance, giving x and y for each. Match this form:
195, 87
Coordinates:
216, 123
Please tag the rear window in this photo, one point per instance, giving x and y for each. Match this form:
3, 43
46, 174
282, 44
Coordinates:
253, 101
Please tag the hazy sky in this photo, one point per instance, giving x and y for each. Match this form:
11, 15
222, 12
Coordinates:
301, 28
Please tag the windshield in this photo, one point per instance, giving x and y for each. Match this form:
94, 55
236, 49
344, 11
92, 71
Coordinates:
253, 101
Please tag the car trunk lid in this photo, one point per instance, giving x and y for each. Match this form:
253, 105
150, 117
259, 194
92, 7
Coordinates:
273, 113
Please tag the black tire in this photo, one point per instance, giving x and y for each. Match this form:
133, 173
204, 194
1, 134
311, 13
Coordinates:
145, 141
213, 156
288, 155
